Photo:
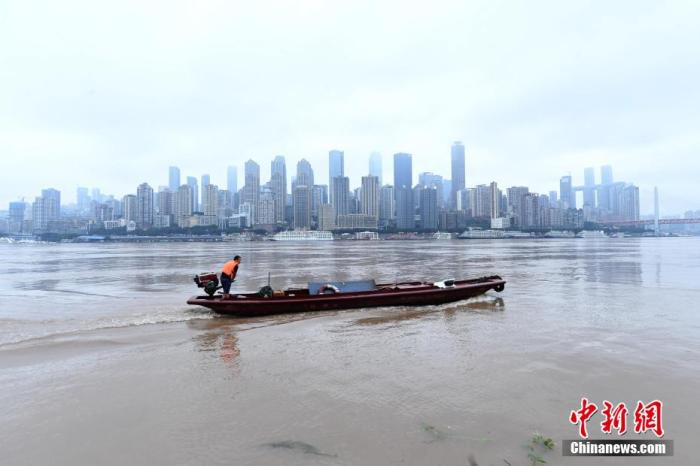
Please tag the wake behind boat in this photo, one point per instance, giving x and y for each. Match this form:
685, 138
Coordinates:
322, 296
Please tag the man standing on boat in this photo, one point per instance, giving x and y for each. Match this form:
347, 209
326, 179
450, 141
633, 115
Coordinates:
228, 275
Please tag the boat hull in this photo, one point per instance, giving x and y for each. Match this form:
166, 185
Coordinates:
404, 294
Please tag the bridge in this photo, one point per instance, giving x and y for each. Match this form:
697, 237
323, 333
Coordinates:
662, 221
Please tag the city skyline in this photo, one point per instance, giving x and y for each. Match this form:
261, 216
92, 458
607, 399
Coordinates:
533, 91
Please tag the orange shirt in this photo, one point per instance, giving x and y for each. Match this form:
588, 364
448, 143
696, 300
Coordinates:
230, 269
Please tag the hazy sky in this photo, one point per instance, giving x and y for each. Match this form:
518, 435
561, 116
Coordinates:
109, 94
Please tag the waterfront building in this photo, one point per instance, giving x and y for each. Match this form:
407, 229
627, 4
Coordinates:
432, 180
267, 207
278, 185
251, 189
319, 196
566, 193
336, 168
370, 196
356, 222
206, 181
629, 203
482, 201
210, 200
232, 179
516, 208
305, 174
553, 199
403, 192
428, 209
129, 210
326, 217
494, 200
375, 166
606, 175
83, 200
173, 179
589, 187
183, 205
386, 205
144, 206
192, 183
458, 171
340, 198
302, 207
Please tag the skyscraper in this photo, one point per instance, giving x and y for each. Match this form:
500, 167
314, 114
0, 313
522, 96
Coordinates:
431, 180
173, 179
386, 205
183, 205
16, 216
206, 181
495, 200
370, 196
278, 186
232, 179
210, 199
302, 207
129, 207
144, 206
336, 167
251, 189
341, 195
566, 193
375, 166
458, 171
589, 187
516, 204
428, 209
606, 175
403, 192
192, 183
305, 174
83, 200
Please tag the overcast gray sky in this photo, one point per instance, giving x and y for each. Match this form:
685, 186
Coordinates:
108, 94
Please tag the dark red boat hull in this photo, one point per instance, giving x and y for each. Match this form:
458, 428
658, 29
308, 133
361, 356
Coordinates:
405, 294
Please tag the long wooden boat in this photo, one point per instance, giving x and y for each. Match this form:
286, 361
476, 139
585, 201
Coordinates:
335, 295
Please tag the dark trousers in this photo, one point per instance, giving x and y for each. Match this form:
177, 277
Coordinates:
226, 282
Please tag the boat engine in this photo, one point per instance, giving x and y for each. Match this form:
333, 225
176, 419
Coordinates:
209, 281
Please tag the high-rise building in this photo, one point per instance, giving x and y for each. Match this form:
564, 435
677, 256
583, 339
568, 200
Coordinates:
405, 211
319, 196
83, 200
173, 179
386, 205
210, 200
206, 181
403, 192
16, 217
267, 203
629, 203
52, 203
183, 205
144, 206
566, 193
431, 180
482, 201
375, 166
589, 187
370, 196
305, 174
336, 167
232, 179
606, 175
192, 183
129, 209
495, 200
302, 207
278, 186
251, 189
340, 195
516, 205
553, 198
326, 217
458, 170
428, 209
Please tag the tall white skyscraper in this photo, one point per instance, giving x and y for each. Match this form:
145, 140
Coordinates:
370, 196
232, 179
173, 179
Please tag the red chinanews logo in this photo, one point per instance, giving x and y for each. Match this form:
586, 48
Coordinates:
647, 417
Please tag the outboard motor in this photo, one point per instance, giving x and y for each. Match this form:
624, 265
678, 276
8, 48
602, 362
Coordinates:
209, 281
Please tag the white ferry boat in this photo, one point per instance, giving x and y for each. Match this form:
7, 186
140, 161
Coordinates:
303, 235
